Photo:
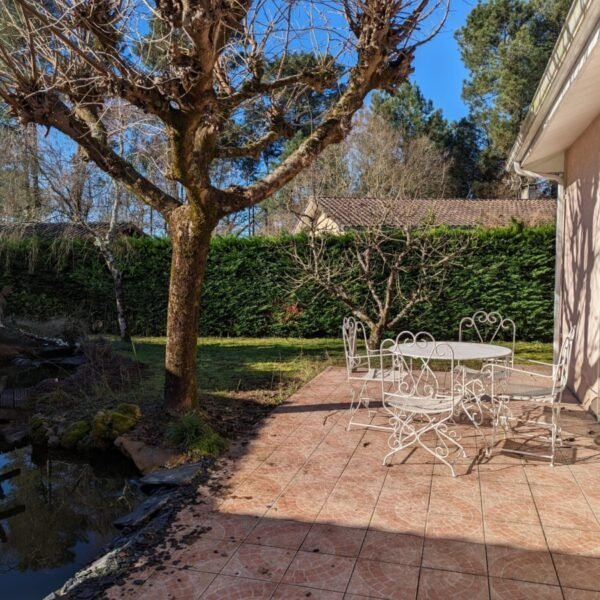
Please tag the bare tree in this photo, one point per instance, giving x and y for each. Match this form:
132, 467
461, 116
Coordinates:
74, 195
382, 271
195, 67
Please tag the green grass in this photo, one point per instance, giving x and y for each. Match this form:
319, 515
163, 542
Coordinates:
226, 365
278, 365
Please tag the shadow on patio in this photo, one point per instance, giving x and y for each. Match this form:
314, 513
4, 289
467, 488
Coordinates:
304, 509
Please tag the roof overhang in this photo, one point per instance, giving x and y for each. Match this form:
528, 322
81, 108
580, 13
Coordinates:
567, 99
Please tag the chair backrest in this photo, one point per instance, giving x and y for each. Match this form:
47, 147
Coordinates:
415, 374
356, 348
561, 368
488, 327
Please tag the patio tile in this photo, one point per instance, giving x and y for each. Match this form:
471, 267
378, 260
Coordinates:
441, 585
450, 555
279, 533
285, 591
503, 473
509, 589
392, 547
578, 571
205, 555
546, 475
525, 537
259, 562
564, 507
331, 539
322, 571
508, 503
238, 588
572, 594
525, 565
564, 540
176, 584
224, 526
464, 527
388, 517
375, 579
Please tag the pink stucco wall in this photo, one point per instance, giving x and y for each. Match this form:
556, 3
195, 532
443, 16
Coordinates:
580, 288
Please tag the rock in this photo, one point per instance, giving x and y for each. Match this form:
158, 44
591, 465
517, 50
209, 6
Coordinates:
22, 361
53, 441
132, 410
143, 512
71, 361
14, 435
107, 425
39, 430
74, 434
146, 458
171, 477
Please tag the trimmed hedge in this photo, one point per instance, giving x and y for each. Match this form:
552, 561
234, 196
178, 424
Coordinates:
248, 292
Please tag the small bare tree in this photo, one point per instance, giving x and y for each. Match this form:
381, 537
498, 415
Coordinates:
73, 195
381, 272
195, 68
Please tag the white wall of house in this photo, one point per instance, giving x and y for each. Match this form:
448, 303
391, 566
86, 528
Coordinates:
580, 277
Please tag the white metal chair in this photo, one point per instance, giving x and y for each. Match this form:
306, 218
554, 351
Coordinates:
543, 389
487, 328
364, 366
422, 400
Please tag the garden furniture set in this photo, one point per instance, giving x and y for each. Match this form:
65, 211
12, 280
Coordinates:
423, 386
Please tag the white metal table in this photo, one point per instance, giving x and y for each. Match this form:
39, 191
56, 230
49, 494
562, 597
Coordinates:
457, 351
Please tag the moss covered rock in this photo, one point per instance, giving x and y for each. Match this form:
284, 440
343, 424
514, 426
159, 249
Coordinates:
74, 434
132, 410
107, 425
39, 430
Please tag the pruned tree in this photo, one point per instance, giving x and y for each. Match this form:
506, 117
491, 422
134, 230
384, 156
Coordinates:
382, 271
63, 63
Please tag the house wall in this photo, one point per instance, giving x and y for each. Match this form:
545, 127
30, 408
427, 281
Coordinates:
580, 294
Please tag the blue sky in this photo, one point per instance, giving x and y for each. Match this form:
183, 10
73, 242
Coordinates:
439, 71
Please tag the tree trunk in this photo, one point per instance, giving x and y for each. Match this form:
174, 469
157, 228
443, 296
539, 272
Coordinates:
117, 277
190, 234
375, 334
120, 301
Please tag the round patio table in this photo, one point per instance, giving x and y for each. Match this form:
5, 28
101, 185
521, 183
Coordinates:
457, 351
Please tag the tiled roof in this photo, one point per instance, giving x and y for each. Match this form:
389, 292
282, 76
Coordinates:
350, 213
63, 230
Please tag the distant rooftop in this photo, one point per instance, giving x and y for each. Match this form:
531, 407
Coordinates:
344, 213
64, 230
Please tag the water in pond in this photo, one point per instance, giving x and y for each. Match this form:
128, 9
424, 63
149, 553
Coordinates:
55, 515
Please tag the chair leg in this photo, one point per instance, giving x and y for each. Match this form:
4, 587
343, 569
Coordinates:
358, 399
403, 434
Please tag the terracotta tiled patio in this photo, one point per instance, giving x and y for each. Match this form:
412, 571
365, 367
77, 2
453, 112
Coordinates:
305, 509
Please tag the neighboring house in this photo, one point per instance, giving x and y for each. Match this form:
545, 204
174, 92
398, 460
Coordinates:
560, 140
57, 231
339, 214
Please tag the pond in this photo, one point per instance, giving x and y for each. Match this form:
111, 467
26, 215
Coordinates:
56, 513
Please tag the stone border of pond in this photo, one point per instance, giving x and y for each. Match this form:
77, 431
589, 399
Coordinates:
143, 530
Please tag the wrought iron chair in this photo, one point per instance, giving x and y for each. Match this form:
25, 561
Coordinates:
487, 328
364, 366
543, 389
422, 400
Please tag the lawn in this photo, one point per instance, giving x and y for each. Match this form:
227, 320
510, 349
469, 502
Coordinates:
226, 365
269, 367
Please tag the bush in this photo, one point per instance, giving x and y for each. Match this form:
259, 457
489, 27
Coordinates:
247, 290
191, 434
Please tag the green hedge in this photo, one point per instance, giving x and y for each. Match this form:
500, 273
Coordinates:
248, 290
